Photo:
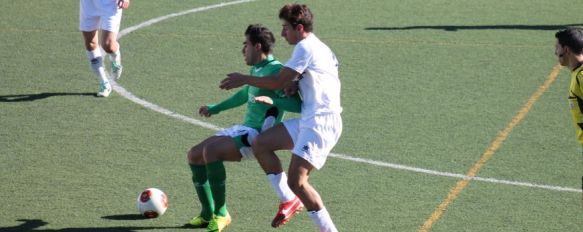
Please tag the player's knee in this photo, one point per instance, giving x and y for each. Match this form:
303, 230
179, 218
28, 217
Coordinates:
259, 144
195, 156
91, 46
109, 45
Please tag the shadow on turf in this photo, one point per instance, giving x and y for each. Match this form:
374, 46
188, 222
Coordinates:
483, 27
38, 96
33, 225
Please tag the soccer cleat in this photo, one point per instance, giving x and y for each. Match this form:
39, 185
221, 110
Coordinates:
198, 222
104, 89
116, 70
218, 223
286, 211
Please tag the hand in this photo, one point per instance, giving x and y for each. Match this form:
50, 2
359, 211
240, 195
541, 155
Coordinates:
264, 99
233, 80
204, 111
291, 88
123, 4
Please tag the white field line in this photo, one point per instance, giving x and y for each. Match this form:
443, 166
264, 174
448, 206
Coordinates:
448, 174
128, 95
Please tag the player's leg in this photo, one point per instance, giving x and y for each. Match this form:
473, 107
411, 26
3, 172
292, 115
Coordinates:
88, 25
197, 165
299, 172
224, 148
273, 139
110, 24
278, 138
111, 46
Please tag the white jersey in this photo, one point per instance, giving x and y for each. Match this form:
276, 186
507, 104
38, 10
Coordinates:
319, 83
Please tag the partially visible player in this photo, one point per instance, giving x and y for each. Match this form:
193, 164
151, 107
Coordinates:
569, 52
234, 144
104, 14
312, 137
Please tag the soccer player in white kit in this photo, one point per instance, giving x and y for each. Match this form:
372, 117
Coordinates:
104, 14
312, 137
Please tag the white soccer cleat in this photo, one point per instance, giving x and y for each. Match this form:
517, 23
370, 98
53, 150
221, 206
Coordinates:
116, 70
104, 89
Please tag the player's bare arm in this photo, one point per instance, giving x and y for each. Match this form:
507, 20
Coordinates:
281, 80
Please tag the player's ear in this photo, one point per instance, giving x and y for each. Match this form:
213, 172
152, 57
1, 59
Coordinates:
300, 27
258, 47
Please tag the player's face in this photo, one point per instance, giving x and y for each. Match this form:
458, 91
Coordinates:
291, 35
560, 52
250, 52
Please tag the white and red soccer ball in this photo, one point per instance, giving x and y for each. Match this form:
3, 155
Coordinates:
152, 203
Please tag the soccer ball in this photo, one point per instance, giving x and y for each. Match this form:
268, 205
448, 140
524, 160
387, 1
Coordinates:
152, 203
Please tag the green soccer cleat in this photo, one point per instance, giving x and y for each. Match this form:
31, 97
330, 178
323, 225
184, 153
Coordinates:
219, 223
198, 222
116, 70
104, 89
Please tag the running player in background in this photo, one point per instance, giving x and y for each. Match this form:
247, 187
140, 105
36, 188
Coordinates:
104, 14
234, 144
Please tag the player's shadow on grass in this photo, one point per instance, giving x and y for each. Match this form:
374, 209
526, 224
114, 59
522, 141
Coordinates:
477, 27
33, 225
38, 96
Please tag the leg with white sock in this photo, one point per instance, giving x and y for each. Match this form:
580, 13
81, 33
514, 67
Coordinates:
299, 171
111, 46
270, 140
263, 147
96, 61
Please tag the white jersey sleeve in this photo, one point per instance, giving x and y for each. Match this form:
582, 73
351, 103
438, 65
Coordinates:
300, 59
319, 82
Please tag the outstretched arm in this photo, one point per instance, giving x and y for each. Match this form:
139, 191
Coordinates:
279, 81
239, 98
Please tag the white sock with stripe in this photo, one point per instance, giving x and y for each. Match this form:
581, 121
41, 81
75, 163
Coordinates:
322, 219
96, 61
279, 184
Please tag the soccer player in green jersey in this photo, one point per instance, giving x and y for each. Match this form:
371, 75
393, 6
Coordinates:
234, 144
569, 52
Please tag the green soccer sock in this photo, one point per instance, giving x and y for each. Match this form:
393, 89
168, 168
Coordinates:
217, 176
203, 190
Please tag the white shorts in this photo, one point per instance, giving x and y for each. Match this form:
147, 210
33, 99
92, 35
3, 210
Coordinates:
314, 138
94, 14
243, 137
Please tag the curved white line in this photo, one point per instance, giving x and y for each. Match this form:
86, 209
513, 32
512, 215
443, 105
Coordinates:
128, 95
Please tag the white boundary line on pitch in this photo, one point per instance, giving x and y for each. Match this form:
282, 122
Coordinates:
128, 95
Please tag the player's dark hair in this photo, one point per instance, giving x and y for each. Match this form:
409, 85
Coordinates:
572, 38
296, 14
257, 33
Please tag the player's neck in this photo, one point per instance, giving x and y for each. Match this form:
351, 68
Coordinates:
576, 62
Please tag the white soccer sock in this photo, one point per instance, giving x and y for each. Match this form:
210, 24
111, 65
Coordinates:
279, 184
96, 61
115, 57
322, 219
